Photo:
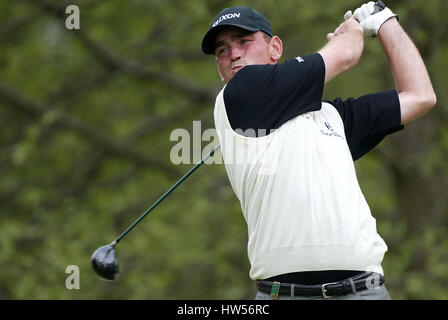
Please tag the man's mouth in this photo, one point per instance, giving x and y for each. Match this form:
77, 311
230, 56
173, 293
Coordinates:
237, 68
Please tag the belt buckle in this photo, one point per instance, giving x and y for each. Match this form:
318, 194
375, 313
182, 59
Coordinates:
324, 290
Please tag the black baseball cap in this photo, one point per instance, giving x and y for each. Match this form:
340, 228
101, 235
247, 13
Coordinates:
239, 16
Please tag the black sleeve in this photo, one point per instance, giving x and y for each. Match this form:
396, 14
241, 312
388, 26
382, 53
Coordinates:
368, 119
266, 96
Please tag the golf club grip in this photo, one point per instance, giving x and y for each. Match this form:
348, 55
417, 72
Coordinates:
379, 6
166, 194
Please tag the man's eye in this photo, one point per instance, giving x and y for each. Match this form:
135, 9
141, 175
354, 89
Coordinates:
222, 51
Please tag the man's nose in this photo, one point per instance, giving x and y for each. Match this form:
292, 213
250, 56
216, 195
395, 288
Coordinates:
236, 53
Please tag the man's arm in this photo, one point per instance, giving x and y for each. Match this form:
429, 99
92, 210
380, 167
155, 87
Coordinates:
414, 87
343, 50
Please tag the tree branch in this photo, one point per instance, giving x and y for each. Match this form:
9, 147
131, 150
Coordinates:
112, 61
69, 122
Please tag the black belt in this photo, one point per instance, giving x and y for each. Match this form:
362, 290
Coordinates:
363, 281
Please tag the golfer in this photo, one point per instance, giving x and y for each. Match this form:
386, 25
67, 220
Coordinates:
289, 154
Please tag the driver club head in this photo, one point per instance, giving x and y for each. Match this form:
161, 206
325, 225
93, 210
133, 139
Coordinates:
105, 262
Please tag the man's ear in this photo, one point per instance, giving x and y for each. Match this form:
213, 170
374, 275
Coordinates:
275, 48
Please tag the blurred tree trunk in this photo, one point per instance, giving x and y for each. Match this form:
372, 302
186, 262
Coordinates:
418, 169
419, 185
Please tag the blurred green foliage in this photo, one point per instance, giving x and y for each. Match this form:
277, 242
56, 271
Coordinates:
86, 117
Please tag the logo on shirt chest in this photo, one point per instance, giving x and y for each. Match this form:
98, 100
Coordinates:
329, 131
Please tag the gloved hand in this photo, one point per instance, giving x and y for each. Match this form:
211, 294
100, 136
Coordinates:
370, 20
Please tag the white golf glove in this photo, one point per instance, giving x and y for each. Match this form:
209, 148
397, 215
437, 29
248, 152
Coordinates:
371, 22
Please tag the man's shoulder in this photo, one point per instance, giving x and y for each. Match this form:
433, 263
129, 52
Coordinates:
328, 111
252, 73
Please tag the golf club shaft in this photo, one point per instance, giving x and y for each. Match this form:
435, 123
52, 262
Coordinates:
166, 194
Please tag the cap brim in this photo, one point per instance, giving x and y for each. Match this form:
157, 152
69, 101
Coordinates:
208, 42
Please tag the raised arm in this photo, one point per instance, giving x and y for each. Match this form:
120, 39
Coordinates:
343, 50
414, 86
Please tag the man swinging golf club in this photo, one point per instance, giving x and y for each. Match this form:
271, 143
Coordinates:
310, 231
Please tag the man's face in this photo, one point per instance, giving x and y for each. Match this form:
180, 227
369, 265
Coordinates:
236, 48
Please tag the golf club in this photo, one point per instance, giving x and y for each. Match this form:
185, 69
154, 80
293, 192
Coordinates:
379, 6
104, 259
